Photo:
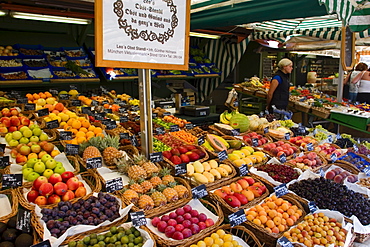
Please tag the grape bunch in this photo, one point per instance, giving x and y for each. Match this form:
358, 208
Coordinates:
344, 143
362, 149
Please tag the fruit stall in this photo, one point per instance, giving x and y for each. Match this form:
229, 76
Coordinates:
73, 174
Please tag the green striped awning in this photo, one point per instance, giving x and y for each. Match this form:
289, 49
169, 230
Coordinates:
360, 20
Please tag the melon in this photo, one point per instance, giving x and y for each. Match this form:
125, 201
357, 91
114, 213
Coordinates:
240, 121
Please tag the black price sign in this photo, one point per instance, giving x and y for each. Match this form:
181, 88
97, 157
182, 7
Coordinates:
122, 110
282, 158
23, 220
180, 169
100, 116
64, 96
235, 132
281, 190
86, 110
189, 126
123, 119
237, 218
154, 115
330, 138
76, 102
43, 112
138, 218
72, 149
2, 148
29, 107
117, 101
45, 243
111, 125
114, 184
105, 102
244, 170
94, 103
52, 124
321, 172
255, 142
4, 161
124, 136
201, 140
284, 242
174, 128
156, 157
105, 121
12, 180
167, 113
222, 155
134, 141
92, 163
310, 146
65, 135
287, 136
108, 110
333, 157
22, 100
312, 206
266, 130
135, 108
160, 131
199, 191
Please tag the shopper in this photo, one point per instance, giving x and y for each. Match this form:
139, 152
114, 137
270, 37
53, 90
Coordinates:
353, 79
278, 94
364, 88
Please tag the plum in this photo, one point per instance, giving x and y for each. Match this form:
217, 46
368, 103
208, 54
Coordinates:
186, 233
330, 175
169, 231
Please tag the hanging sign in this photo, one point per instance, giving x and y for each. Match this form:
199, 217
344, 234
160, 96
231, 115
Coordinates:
144, 34
347, 51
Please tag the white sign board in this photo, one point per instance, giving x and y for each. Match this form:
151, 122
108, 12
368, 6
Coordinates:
147, 34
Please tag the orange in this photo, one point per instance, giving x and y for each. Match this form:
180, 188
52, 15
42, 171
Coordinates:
74, 141
91, 128
97, 130
81, 119
83, 129
76, 124
86, 124
80, 134
90, 134
70, 121
100, 134
35, 96
81, 140
74, 131
48, 95
42, 95
67, 127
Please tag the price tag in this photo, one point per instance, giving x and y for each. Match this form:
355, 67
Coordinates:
174, 128
4, 161
281, 190
12, 180
53, 91
235, 132
117, 101
312, 206
189, 126
201, 140
302, 130
123, 119
156, 157
138, 218
284, 242
237, 218
244, 170
22, 100
339, 136
180, 169
160, 131
99, 116
72, 149
199, 191
64, 96
309, 146
29, 107
134, 141
108, 110
73, 87
94, 103
167, 113
282, 158
113, 185
154, 115
367, 171
45, 243
135, 108
333, 157
124, 135
65, 135
222, 155
105, 102
122, 110
266, 130
23, 220
76, 102
86, 110
43, 112
321, 172
122, 104
255, 142
2, 148
52, 124
92, 163
355, 148
287, 136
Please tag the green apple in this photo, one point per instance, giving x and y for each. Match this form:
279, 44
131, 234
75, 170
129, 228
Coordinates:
33, 126
27, 133
39, 167
48, 172
13, 143
37, 131
31, 162
8, 137
26, 171
59, 169
23, 128
46, 157
17, 135
50, 163
34, 139
43, 137
24, 140
59, 163
32, 176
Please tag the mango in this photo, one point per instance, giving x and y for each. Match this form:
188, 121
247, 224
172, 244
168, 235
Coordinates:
198, 167
213, 164
227, 168
200, 178
206, 166
209, 176
189, 169
215, 173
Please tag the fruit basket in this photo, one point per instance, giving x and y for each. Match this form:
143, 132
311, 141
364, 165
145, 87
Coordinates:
239, 233
214, 172
272, 233
198, 132
274, 150
252, 187
212, 129
302, 141
300, 106
308, 160
212, 213
163, 206
9, 203
250, 135
61, 233
276, 173
90, 182
327, 149
214, 144
321, 112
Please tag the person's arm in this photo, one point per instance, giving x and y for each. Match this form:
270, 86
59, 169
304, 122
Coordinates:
347, 78
273, 85
358, 77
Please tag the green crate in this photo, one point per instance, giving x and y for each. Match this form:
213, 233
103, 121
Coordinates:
355, 121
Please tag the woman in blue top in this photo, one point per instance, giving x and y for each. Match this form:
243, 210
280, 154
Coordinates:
278, 94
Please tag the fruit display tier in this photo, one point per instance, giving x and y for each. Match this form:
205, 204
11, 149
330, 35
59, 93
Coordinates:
278, 148
308, 160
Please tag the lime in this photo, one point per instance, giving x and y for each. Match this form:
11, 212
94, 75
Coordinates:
113, 239
125, 240
138, 240
101, 243
107, 240
113, 229
137, 233
86, 240
131, 245
72, 244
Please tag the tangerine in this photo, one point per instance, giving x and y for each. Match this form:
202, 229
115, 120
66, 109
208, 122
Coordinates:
80, 134
83, 129
97, 130
76, 124
81, 139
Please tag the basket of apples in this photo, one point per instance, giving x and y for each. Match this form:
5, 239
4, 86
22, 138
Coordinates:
186, 224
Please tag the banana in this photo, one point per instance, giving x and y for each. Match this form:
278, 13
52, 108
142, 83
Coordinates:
223, 118
219, 138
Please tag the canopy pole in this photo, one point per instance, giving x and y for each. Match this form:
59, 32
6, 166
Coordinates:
340, 78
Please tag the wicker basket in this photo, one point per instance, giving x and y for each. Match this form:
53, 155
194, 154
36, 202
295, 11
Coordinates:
13, 199
288, 157
258, 132
96, 124
212, 129
165, 208
194, 238
322, 158
90, 178
270, 239
321, 112
198, 132
302, 107
348, 167
227, 208
172, 165
240, 231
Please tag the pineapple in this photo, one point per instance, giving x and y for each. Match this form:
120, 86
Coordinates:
139, 159
136, 172
131, 196
158, 198
146, 202
136, 187
170, 193
91, 152
110, 154
182, 191
146, 185
155, 180
150, 168
166, 177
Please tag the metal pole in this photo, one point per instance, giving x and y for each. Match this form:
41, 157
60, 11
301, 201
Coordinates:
340, 78
145, 96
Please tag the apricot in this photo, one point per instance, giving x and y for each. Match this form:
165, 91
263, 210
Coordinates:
271, 205
263, 219
275, 230
257, 222
290, 222
270, 224
277, 221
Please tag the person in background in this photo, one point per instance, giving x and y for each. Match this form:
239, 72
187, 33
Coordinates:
354, 79
278, 94
364, 88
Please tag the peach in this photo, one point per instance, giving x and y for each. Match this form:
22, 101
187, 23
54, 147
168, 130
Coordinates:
69, 195
80, 192
41, 200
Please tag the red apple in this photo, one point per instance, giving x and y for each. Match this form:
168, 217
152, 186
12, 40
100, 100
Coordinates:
41, 200
12, 128
20, 159
193, 156
32, 195
67, 175
209, 222
39, 181
25, 121
60, 188
72, 183
14, 111
69, 195
55, 178
14, 121
46, 189
54, 199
